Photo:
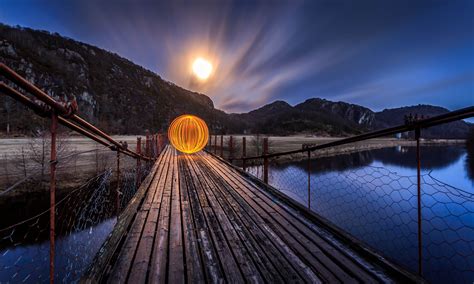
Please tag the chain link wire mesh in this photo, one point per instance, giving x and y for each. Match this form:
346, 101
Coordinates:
89, 197
378, 206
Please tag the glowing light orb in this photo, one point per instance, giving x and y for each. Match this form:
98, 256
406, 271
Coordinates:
202, 68
188, 133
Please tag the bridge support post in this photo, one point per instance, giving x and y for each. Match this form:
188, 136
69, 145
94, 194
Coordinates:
158, 147
117, 189
222, 146
139, 162
244, 152
210, 143
147, 144
52, 195
231, 149
152, 145
160, 143
215, 144
265, 160
418, 174
309, 180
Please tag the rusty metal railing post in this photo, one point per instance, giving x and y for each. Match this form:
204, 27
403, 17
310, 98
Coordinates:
309, 179
153, 145
231, 149
265, 160
139, 162
157, 145
215, 144
52, 196
244, 152
160, 143
147, 144
418, 174
117, 189
222, 146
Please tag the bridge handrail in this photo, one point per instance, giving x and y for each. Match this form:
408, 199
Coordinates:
80, 125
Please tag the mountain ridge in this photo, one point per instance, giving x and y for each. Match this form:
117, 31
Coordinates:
124, 98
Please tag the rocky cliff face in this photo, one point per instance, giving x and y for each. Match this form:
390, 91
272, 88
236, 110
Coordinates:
314, 116
112, 92
355, 114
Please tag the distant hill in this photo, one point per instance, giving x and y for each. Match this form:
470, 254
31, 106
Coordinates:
324, 117
124, 98
395, 116
312, 116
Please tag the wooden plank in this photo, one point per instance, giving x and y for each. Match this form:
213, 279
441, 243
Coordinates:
259, 246
213, 268
124, 262
139, 269
290, 260
193, 255
176, 257
229, 263
332, 252
362, 271
312, 255
239, 251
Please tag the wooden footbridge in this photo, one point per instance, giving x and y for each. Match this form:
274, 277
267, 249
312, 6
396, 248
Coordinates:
197, 219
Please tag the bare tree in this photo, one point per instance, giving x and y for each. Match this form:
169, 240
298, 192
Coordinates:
257, 143
35, 156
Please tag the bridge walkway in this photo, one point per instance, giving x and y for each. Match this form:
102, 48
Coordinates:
198, 219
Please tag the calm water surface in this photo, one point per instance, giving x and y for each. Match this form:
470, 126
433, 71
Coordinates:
372, 195
84, 219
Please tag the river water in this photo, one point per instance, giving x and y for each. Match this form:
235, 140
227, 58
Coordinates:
373, 196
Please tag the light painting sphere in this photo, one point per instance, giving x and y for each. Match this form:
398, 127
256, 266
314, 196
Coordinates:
188, 133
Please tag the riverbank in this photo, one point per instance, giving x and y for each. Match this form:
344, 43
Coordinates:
83, 157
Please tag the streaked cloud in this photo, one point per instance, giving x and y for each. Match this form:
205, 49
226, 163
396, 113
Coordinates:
375, 53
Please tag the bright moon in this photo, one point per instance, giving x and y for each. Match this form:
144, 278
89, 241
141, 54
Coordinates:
202, 68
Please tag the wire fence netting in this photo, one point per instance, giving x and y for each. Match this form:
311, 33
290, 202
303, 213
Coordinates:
90, 193
372, 195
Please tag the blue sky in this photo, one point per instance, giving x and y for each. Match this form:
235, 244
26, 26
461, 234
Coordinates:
379, 54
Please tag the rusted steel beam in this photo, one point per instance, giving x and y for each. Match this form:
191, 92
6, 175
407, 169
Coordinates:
231, 149
309, 180
46, 112
139, 162
147, 144
265, 160
222, 146
25, 84
52, 196
160, 143
215, 144
244, 152
418, 174
117, 189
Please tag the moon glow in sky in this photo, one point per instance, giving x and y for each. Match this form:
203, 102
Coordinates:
202, 68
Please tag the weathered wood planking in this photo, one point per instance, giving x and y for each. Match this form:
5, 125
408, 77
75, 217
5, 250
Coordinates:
201, 220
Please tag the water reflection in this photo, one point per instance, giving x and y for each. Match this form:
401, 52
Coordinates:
84, 218
373, 196
432, 157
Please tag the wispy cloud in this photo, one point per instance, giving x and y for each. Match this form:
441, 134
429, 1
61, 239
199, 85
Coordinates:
376, 53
